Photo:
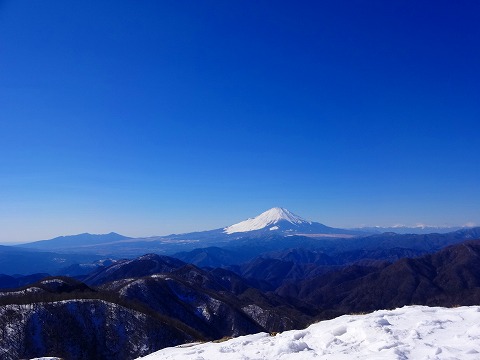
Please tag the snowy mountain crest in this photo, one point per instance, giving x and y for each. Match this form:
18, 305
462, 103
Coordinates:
383, 334
265, 219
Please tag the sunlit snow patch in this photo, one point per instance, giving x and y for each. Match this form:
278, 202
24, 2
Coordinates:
414, 332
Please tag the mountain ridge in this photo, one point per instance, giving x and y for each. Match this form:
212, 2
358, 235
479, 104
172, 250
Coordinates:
67, 241
282, 221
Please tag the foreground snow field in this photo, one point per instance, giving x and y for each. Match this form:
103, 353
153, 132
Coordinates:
413, 332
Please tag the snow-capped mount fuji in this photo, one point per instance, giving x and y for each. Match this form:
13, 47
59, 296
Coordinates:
273, 219
281, 220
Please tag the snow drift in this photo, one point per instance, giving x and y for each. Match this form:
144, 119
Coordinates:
413, 332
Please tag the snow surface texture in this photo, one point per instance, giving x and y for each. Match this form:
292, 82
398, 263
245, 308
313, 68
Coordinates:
265, 219
413, 332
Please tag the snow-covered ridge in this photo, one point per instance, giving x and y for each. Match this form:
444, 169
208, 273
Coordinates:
265, 219
413, 332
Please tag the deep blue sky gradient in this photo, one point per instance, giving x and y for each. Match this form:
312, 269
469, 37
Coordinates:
153, 117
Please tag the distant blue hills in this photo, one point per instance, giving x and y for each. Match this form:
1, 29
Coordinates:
74, 241
273, 222
273, 230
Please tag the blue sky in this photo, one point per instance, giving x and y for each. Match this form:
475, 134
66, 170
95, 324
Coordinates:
153, 117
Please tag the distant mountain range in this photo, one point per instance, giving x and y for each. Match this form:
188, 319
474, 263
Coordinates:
276, 221
84, 240
403, 229
274, 229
